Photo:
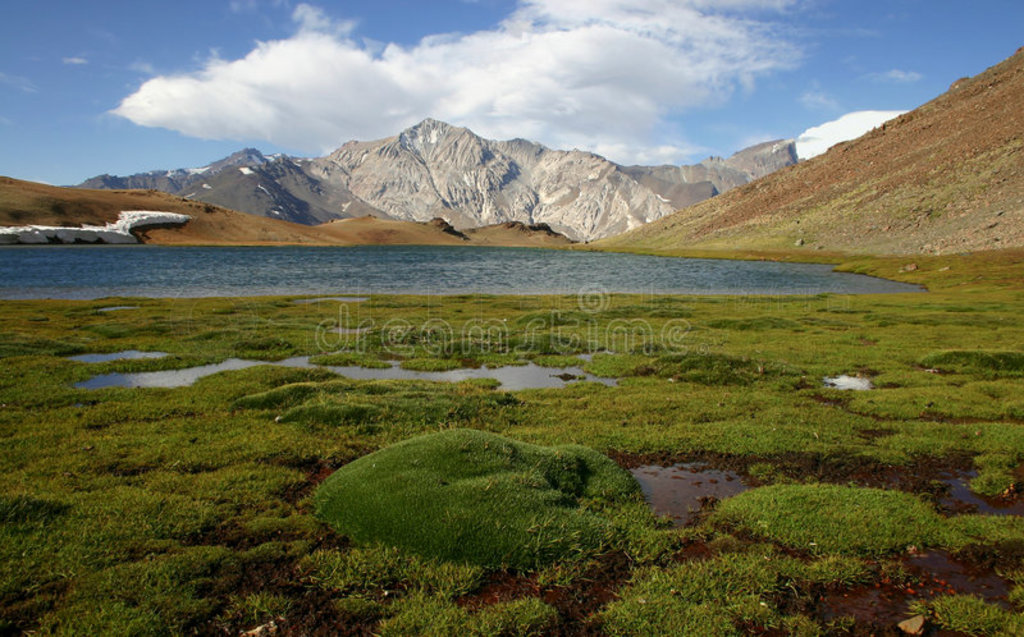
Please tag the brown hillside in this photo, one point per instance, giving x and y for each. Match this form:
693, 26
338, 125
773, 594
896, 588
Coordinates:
374, 231
27, 203
947, 177
515, 233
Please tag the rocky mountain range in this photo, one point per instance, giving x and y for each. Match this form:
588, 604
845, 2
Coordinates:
435, 170
36, 213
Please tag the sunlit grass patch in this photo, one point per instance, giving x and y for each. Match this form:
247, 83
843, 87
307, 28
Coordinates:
695, 367
557, 361
350, 359
821, 518
361, 571
971, 401
12, 344
995, 473
970, 615
728, 594
756, 323
394, 408
432, 364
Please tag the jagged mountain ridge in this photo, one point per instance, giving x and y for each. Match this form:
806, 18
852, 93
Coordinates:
684, 186
435, 169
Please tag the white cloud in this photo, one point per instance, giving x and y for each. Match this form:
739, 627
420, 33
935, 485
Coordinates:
75, 61
897, 76
22, 84
143, 67
815, 141
592, 74
248, 6
816, 100
310, 18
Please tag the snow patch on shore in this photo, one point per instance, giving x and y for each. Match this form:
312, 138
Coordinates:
116, 232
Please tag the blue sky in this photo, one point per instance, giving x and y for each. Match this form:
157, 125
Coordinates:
123, 86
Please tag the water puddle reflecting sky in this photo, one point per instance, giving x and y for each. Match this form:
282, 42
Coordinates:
844, 382
511, 378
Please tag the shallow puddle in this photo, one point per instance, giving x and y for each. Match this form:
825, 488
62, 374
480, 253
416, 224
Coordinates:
165, 378
681, 490
339, 299
961, 499
130, 354
844, 382
511, 378
117, 308
938, 573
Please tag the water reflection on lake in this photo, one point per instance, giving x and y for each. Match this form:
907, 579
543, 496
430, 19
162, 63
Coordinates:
91, 272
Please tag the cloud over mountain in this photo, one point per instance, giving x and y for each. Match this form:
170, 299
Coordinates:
600, 75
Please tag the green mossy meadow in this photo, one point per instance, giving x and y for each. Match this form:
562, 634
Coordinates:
251, 496
476, 497
827, 518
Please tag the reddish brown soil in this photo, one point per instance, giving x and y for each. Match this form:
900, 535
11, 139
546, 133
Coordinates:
576, 604
879, 607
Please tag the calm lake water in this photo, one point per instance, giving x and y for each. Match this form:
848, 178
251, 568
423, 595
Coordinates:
89, 272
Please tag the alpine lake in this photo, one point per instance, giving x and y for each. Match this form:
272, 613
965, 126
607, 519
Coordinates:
404, 441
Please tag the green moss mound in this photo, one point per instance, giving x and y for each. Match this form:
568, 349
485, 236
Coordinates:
834, 519
475, 497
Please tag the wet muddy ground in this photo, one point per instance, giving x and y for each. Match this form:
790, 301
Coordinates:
681, 491
930, 574
685, 488
576, 604
960, 498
